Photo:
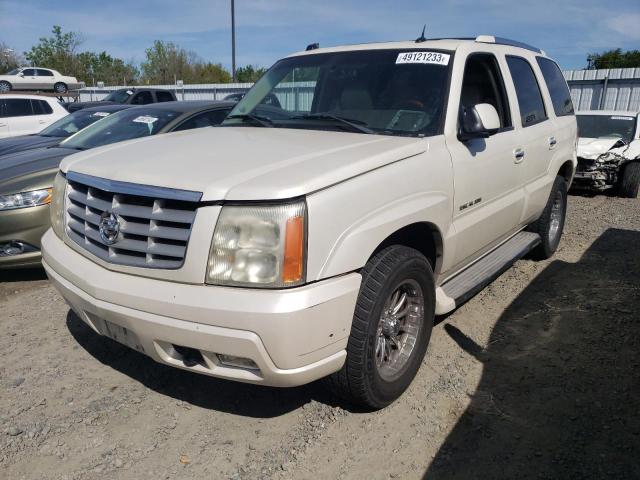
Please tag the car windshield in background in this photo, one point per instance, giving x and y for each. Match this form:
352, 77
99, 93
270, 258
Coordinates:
73, 123
119, 96
120, 126
603, 126
15, 71
393, 92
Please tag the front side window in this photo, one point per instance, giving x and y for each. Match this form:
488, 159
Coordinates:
530, 101
120, 126
29, 72
18, 107
607, 126
142, 98
388, 92
557, 86
73, 123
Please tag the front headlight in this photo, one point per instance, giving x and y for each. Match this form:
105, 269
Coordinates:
25, 199
56, 210
259, 246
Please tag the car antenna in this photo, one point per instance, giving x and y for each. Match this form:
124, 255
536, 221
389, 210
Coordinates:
422, 38
312, 46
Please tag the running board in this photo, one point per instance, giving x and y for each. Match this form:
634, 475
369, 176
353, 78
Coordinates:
470, 281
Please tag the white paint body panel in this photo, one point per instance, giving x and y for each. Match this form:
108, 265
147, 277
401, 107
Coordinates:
30, 124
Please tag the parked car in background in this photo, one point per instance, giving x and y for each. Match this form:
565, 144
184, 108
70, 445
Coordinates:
270, 99
609, 151
26, 178
128, 96
27, 114
320, 239
29, 78
58, 131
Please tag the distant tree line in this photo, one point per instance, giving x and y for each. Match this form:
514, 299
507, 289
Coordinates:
164, 63
614, 59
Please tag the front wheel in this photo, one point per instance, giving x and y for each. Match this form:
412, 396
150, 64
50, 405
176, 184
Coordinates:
630, 180
391, 328
60, 88
551, 223
5, 87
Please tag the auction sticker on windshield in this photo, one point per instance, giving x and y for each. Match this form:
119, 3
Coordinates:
145, 119
101, 114
621, 118
436, 58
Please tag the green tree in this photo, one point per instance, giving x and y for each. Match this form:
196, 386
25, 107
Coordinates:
249, 74
9, 59
102, 67
615, 59
57, 52
209, 73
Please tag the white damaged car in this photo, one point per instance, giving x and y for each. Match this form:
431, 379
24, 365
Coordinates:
609, 151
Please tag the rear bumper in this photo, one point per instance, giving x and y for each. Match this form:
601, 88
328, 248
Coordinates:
293, 336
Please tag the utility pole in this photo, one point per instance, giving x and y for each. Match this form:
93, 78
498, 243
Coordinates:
233, 40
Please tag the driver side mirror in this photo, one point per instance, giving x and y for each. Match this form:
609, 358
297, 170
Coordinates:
21, 74
479, 121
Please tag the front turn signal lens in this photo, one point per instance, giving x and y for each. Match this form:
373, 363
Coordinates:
292, 268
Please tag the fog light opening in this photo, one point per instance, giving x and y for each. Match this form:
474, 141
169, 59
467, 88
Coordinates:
15, 247
237, 362
189, 356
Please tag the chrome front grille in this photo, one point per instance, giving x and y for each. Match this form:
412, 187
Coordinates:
154, 223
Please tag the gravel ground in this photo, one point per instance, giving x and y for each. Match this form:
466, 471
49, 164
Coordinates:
535, 377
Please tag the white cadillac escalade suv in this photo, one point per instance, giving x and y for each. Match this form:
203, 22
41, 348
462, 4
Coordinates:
320, 235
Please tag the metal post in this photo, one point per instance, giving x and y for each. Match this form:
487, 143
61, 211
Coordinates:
233, 40
604, 93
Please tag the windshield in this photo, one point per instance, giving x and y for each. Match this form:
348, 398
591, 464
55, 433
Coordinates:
392, 92
119, 96
15, 71
600, 126
73, 123
120, 126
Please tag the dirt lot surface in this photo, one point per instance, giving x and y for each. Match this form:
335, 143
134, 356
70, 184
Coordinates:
536, 377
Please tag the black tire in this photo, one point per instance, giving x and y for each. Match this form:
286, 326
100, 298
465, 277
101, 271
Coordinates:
630, 180
549, 231
359, 380
60, 88
5, 86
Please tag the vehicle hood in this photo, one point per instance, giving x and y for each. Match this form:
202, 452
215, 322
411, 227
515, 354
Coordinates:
592, 148
19, 168
26, 142
75, 106
245, 163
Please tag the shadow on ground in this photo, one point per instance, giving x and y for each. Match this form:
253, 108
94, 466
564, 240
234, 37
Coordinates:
560, 391
22, 275
196, 389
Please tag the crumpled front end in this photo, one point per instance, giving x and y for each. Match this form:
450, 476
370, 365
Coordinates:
600, 168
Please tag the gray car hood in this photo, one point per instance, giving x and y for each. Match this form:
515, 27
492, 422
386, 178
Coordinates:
16, 166
26, 142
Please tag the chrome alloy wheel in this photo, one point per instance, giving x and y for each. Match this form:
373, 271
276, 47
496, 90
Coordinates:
557, 214
398, 329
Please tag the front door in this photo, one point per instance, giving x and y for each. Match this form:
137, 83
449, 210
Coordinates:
28, 80
488, 198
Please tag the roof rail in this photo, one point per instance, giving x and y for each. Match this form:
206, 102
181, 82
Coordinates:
506, 41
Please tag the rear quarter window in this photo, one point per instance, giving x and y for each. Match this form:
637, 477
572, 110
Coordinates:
557, 86
530, 101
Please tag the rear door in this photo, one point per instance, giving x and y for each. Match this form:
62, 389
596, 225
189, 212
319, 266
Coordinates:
537, 130
488, 198
43, 113
45, 79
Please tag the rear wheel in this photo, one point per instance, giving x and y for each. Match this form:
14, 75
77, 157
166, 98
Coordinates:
551, 223
60, 88
630, 180
391, 328
5, 87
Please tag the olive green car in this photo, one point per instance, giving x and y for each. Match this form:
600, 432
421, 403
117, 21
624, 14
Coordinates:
26, 178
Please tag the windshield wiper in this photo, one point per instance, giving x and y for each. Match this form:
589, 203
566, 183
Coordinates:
260, 120
354, 125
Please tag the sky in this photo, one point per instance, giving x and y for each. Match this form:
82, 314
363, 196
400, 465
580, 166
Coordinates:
266, 30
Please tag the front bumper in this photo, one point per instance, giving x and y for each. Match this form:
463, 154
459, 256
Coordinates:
294, 336
23, 225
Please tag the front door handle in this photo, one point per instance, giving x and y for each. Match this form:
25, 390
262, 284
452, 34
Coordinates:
518, 154
552, 142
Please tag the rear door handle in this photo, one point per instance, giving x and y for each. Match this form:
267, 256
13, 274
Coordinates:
518, 154
41, 122
552, 142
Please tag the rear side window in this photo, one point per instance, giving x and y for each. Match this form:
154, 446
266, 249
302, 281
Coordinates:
40, 107
558, 89
206, 119
142, 98
164, 97
18, 107
530, 101
44, 73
